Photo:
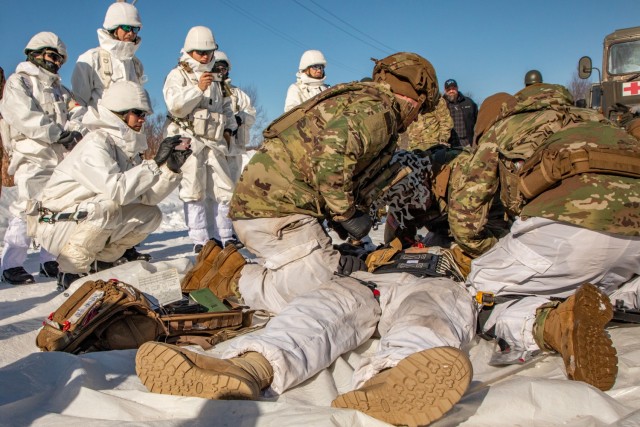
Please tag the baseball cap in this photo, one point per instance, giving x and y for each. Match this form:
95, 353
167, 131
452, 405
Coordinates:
450, 83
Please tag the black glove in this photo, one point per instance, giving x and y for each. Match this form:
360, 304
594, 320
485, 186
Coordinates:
176, 159
239, 120
348, 264
165, 149
340, 231
351, 250
358, 225
69, 139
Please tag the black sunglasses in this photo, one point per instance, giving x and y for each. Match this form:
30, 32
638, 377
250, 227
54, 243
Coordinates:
127, 28
140, 113
204, 52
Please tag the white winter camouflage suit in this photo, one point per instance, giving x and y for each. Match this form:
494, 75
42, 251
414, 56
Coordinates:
104, 176
241, 106
35, 105
304, 88
206, 173
87, 79
320, 316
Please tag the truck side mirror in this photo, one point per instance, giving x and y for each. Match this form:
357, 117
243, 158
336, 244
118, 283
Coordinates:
584, 67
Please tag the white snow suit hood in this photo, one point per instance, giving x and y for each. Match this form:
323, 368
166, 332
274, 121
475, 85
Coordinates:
127, 139
119, 49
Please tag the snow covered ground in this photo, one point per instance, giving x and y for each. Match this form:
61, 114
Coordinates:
102, 389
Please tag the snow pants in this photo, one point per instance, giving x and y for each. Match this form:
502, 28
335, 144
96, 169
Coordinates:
546, 258
30, 178
207, 184
321, 316
107, 232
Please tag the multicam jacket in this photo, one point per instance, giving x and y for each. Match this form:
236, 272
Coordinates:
544, 117
431, 128
320, 164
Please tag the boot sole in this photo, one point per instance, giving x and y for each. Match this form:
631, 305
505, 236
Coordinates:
595, 359
419, 390
163, 369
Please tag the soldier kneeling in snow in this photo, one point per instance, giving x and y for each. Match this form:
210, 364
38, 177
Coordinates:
101, 199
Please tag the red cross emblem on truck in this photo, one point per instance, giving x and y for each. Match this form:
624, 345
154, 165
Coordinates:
630, 88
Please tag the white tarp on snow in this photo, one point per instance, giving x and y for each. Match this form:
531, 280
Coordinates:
102, 389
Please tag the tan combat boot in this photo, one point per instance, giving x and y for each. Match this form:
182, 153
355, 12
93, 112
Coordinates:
575, 329
416, 392
192, 281
218, 269
168, 369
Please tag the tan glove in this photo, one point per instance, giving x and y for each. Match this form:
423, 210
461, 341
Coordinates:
383, 256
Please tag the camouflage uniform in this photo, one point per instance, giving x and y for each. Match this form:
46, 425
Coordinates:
544, 117
583, 229
316, 169
431, 128
319, 166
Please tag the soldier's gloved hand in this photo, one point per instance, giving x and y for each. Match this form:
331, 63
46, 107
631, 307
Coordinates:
358, 225
165, 149
348, 264
177, 158
69, 139
239, 120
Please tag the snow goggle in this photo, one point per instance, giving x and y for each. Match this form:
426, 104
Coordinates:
204, 52
140, 113
129, 28
317, 67
55, 56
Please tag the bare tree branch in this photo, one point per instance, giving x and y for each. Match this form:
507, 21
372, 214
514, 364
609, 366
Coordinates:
579, 88
261, 117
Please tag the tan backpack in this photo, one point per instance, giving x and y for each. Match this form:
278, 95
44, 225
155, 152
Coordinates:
113, 315
101, 316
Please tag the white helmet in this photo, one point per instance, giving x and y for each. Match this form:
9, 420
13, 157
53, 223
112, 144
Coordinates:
199, 38
311, 57
219, 55
121, 13
125, 95
46, 39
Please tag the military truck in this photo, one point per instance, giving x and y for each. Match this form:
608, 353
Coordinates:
618, 88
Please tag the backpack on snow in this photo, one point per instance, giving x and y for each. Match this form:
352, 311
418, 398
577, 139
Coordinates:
100, 316
113, 315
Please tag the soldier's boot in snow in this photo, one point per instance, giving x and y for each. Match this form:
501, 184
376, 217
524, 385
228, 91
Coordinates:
218, 269
17, 276
49, 269
419, 390
132, 254
168, 369
575, 329
66, 279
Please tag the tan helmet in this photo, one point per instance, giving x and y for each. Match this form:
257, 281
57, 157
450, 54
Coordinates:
411, 75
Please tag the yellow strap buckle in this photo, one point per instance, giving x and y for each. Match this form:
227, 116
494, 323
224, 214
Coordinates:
485, 299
